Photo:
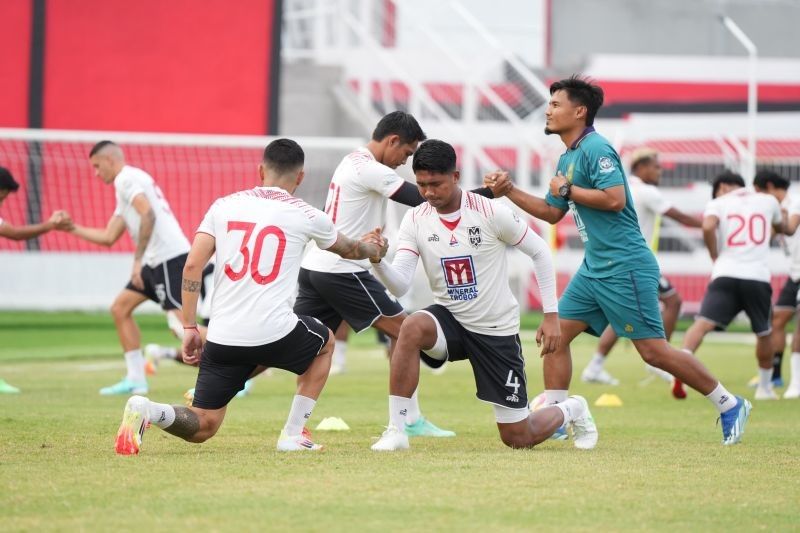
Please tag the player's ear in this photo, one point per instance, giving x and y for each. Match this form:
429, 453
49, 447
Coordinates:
262, 172
456, 176
394, 140
300, 176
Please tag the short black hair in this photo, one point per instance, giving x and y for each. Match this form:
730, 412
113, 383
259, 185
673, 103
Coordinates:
7, 182
434, 156
99, 146
729, 178
765, 176
401, 124
582, 92
283, 156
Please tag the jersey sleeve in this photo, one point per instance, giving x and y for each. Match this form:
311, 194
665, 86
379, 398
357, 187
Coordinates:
794, 206
712, 209
603, 167
381, 179
323, 232
128, 189
407, 235
654, 200
510, 227
556, 201
207, 224
775, 207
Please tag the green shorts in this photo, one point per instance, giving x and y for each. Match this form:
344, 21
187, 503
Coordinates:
628, 301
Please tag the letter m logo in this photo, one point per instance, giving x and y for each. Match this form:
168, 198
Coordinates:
459, 271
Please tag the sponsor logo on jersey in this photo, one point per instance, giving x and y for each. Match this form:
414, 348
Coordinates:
433, 238
474, 233
606, 165
513, 398
459, 274
453, 240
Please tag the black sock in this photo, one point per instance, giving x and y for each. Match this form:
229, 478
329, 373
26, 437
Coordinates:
777, 359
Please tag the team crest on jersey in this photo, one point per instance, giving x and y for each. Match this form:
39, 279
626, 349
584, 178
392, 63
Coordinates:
474, 233
459, 275
606, 165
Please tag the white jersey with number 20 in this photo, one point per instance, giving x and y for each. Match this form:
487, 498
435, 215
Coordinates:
260, 237
745, 225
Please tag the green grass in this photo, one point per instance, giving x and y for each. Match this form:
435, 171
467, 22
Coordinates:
659, 464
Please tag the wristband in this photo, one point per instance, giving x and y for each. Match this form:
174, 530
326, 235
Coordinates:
191, 327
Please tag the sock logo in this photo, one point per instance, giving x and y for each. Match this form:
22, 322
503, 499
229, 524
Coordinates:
307, 416
162, 417
724, 399
404, 412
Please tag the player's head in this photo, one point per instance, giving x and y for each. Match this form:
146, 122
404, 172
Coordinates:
725, 183
573, 103
396, 137
434, 166
770, 182
7, 184
282, 165
645, 165
107, 160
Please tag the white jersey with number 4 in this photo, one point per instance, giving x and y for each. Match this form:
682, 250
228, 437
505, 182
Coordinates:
260, 237
356, 203
745, 226
467, 267
167, 240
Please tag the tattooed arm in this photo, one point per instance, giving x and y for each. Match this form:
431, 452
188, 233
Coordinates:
353, 249
202, 250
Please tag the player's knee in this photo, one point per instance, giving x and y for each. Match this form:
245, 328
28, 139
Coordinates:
118, 311
513, 438
415, 328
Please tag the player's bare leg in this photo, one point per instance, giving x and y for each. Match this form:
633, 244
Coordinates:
793, 390
312, 381
670, 313
541, 424
134, 381
557, 366
764, 355
339, 361
691, 342
781, 317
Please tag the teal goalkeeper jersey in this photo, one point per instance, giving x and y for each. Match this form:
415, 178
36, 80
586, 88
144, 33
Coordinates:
613, 240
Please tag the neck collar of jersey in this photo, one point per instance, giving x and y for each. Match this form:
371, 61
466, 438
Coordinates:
584, 133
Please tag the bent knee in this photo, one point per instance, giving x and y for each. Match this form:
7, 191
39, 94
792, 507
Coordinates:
416, 328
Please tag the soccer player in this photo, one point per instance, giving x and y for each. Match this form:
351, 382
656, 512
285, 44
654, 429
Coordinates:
334, 289
461, 239
770, 182
650, 204
161, 249
617, 282
258, 237
736, 230
58, 220
793, 390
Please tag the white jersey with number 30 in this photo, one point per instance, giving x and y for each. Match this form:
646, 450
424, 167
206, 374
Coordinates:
356, 203
745, 225
260, 237
466, 266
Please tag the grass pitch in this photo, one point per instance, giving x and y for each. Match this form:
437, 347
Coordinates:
659, 464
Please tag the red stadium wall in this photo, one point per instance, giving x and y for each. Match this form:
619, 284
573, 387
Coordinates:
178, 66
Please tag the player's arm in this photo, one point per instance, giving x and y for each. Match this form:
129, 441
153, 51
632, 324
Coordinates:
397, 275
103, 236
21, 233
352, 249
202, 249
687, 220
535, 206
147, 221
710, 224
792, 223
610, 199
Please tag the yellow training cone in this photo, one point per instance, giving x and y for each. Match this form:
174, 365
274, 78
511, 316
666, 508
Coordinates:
608, 400
333, 423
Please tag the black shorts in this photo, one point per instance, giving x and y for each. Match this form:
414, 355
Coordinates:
224, 369
665, 288
357, 298
787, 299
726, 297
162, 283
497, 362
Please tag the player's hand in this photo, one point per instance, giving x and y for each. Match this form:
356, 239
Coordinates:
499, 183
62, 220
136, 275
556, 183
548, 336
192, 346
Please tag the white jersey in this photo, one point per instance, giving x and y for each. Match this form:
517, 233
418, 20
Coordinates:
466, 266
167, 240
260, 236
649, 203
356, 203
745, 225
792, 206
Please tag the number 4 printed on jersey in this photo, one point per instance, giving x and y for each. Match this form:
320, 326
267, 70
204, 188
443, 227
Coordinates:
247, 228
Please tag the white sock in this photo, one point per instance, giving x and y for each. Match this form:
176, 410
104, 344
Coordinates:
340, 353
722, 399
298, 415
161, 414
166, 352
134, 360
413, 413
398, 409
572, 409
555, 396
687, 350
597, 362
765, 378
795, 368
